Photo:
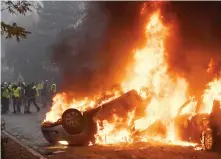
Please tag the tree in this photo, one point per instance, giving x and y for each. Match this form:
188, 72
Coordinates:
34, 53
15, 7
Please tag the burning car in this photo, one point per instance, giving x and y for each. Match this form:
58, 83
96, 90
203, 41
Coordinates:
201, 128
167, 92
78, 128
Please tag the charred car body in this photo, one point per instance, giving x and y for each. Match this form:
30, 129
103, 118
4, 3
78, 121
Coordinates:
201, 128
78, 128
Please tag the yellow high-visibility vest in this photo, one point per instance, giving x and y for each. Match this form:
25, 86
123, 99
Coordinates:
16, 92
6, 93
37, 92
53, 87
40, 86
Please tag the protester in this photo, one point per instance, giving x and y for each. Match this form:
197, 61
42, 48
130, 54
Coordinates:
31, 96
5, 96
45, 94
16, 96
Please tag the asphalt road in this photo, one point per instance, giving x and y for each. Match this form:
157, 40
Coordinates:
27, 128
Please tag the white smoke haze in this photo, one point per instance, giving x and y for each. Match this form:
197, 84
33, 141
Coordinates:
45, 22
28, 22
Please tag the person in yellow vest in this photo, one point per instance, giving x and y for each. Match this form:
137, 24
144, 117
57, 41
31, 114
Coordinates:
45, 94
10, 88
41, 85
39, 90
53, 88
16, 95
5, 96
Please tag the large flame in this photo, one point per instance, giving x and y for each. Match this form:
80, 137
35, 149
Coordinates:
213, 92
166, 92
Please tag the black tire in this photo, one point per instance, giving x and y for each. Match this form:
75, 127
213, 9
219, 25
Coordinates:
73, 121
208, 140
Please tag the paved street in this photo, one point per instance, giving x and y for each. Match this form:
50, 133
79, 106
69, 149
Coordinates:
27, 128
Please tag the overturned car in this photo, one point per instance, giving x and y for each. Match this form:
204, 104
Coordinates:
79, 128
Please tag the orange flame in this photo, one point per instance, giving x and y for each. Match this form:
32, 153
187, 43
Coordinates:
165, 92
211, 66
150, 70
213, 92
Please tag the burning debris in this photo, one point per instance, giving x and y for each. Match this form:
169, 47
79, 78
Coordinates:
150, 102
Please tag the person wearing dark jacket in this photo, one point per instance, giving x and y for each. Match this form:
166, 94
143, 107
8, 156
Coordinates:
23, 97
31, 96
5, 96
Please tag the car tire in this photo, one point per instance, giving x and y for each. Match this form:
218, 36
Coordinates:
73, 121
208, 140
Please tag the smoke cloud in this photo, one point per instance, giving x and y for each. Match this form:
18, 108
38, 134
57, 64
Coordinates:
194, 39
94, 56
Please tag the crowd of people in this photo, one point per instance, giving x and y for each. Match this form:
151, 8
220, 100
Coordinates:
22, 94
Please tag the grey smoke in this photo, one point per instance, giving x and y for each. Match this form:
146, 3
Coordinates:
33, 54
93, 57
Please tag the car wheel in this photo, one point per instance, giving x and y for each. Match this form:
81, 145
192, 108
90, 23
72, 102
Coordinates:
73, 121
208, 141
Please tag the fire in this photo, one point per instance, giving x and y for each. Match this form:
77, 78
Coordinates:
211, 66
150, 77
61, 103
213, 92
150, 70
108, 133
63, 142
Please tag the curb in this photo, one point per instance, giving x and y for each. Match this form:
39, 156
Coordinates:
30, 150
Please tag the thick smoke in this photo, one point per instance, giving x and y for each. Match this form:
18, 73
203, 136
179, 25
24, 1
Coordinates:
193, 41
94, 56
